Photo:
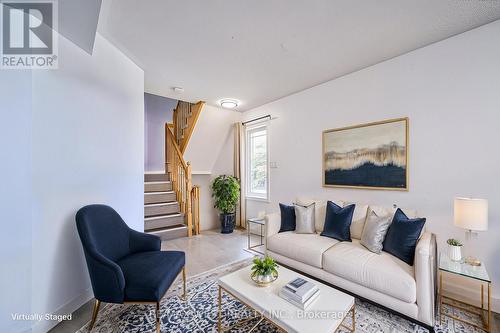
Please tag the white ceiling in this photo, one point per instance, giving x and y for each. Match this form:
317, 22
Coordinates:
259, 51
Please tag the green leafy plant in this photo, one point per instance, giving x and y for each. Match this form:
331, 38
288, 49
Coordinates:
266, 266
226, 192
454, 242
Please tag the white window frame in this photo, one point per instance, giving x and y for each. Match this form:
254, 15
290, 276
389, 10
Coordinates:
249, 194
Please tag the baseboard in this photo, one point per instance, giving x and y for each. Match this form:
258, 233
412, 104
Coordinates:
470, 295
70, 307
201, 172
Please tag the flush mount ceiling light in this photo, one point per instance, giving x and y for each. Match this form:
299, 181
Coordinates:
229, 103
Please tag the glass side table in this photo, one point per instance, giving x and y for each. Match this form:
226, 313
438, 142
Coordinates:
478, 273
262, 223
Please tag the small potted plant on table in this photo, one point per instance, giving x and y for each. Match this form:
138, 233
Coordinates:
454, 249
226, 192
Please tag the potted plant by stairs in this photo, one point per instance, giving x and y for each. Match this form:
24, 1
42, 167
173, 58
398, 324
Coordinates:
226, 193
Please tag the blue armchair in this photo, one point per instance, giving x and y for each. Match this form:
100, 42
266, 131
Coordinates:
125, 266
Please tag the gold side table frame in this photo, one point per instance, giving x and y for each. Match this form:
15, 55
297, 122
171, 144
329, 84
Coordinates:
484, 313
262, 317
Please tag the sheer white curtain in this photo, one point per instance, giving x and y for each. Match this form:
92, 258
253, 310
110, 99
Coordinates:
239, 171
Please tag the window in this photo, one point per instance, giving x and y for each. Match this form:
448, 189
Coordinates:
257, 162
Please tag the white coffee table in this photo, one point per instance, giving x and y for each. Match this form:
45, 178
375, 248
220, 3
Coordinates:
325, 315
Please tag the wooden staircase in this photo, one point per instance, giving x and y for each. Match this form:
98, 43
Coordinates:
162, 215
171, 201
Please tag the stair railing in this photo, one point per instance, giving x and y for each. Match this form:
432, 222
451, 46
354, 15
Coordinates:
185, 117
181, 178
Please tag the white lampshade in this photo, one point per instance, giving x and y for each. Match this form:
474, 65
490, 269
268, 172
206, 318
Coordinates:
471, 214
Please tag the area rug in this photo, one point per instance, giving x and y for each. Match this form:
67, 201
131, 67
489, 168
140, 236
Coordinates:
199, 313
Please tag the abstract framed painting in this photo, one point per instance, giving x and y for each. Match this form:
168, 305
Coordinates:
367, 156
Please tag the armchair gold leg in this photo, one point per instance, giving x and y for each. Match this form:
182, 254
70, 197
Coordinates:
97, 304
184, 295
158, 324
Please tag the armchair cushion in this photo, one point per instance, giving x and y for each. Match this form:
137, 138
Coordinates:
150, 274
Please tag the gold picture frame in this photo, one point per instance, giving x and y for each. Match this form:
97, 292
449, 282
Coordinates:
348, 164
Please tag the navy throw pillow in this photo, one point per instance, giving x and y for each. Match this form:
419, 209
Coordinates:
287, 218
402, 236
338, 221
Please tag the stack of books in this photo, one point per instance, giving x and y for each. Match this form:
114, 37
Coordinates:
300, 292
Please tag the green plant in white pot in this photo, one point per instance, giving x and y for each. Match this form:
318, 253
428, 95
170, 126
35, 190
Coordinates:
226, 193
454, 249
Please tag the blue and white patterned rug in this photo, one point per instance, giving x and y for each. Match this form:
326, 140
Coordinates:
199, 313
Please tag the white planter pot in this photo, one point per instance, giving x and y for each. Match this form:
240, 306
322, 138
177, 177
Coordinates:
455, 252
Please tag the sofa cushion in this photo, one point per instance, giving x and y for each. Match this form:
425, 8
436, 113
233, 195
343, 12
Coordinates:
306, 248
358, 219
148, 275
385, 210
382, 272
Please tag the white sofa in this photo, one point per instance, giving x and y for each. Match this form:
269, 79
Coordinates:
381, 278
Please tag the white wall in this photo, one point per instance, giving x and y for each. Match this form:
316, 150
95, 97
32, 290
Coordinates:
15, 197
209, 138
449, 90
158, 110
211, 152
88, 132
74, 136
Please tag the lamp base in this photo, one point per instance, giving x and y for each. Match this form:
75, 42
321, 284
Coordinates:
472, 261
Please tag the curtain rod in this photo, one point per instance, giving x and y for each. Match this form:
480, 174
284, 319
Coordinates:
251, 121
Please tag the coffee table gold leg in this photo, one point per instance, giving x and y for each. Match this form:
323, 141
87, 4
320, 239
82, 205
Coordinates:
219, 316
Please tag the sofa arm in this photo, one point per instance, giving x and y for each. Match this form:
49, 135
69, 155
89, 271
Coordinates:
273, 224
425, 277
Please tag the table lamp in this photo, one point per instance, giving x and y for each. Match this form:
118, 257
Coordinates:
472, 215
